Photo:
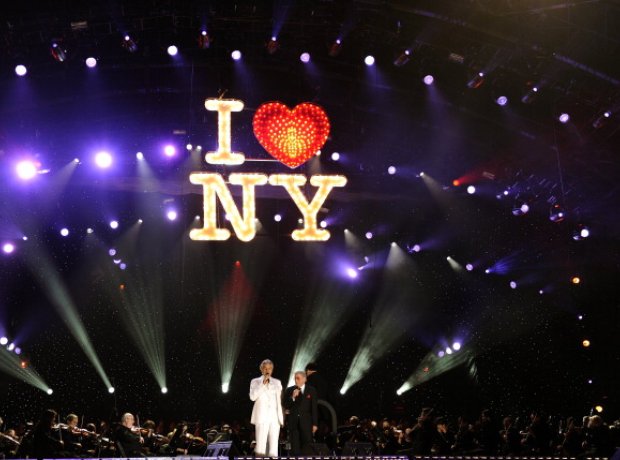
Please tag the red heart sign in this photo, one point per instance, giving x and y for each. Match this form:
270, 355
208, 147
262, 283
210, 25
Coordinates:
291, 136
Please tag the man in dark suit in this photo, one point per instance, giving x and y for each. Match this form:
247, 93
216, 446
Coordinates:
300, 403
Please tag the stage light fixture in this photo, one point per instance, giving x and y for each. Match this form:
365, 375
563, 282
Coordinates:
513, 285
323, 224
111, 390
8, 248
335, 48
449, 351
25, 238
170, 150
391, 170
556, 213
91, 62
129, 44
89, 231
428, 80
49, 391
501, 101
21, 70
225, 387
585, 343
171, 215
103, 159
575, 280
140, 156
164, 390
598, 408
441, 353
369, 235
189, 147
471, 189
277, 218
304, 57
369, 60
204, 41
477, 81
64, 232
11, 346
236, 55
456, 346
403, 58
122, 266
530, 95
487, 271
18, 351
26, 169
273, 45
172, 50
352, 273
114, 224
581, 232
335, 156
469, 267
564, 118
4, 340
59, 52
521, 206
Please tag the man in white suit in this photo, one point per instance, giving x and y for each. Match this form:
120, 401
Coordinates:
267, 418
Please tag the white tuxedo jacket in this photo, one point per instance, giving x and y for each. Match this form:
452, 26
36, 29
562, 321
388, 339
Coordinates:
267, 401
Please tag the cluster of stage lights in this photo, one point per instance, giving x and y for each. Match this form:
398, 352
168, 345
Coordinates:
456, 346
10, 346
204, 40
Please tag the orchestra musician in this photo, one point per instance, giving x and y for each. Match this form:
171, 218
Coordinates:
9, 443
46, 438
128, 437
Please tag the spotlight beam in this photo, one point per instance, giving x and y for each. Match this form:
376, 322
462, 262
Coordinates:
394, 313
329, 298
10, 364
48, 276
433, 366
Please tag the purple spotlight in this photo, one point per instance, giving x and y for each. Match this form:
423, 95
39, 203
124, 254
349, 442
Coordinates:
91, 62
456, 346
173, 50
369, 60
140, 156
513, 285
469, 267
335, 156
112, 252
114, 224
305, 58
564, 118
488, 271
277, 218
4, 340
170, 151
441, 353
429, 80
18, 351
172, 215
323, 224
391, 170
64, 231
351, 273
502, 100
449, 351
8, 248
21, 70
236, 55
416, 248
26, 169
11, 347
369, 235
471, 189
103, 160
123, 266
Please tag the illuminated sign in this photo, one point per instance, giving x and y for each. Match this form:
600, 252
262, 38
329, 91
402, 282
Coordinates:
290, 136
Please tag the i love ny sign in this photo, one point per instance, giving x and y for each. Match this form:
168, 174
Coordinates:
290, 136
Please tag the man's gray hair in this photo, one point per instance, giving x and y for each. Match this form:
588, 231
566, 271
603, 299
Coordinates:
264, 363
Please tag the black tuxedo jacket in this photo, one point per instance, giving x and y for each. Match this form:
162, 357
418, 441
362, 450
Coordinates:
304, 409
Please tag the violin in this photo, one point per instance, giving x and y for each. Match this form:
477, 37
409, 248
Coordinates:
10, 439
